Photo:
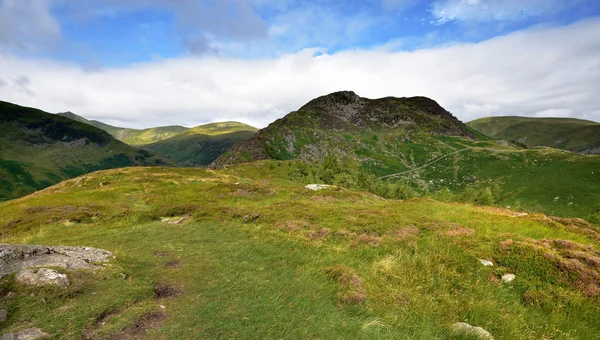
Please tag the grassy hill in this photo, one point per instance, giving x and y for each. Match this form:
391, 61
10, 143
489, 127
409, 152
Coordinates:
134, 137
258, 256
387, 134
415, 141
38, 149
582, 136
203, 144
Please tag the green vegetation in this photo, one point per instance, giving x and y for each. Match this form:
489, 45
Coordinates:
571, 134
259, 256
136, 137
220, 128
202, 144
38, 149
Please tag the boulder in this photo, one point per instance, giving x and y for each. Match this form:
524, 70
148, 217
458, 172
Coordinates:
42, 277
317, 187
26, 334
466, 330
3, 315
486, 263
16, 257
508, 277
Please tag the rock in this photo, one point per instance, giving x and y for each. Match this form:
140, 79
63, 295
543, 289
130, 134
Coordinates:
26, 334
14, 258
42, 277
508, 277
317, 187
464, 329
486, 263
174, 220
251, 218
3, 315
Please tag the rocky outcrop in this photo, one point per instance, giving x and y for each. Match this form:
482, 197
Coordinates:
26, 334
465, 330
317, 187
42, 277
15, 258
306, 132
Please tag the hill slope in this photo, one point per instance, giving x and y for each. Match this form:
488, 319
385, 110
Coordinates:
203, 144
582, 136
385, 133
134, 137
38, 149
415, 141
259, 257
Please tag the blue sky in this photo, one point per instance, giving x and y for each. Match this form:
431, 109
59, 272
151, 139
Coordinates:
107, 33
139, 41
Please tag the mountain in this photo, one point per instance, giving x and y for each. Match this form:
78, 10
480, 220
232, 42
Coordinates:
415, 141
375, 131
203, 144
38, 149
131, 136
576, 135
245, 253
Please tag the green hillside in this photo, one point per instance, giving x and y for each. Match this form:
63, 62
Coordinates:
38, 149
387, 134
245, 253
415, 141
571, 134
134, 137
220, 128
203, 144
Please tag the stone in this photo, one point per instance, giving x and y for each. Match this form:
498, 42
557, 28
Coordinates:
508, 277
16, 257
464, 329
251, 218
42, 277
317, 187
26, 334
3, 315
486, 263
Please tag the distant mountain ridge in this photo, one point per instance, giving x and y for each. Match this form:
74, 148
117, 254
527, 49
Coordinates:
197, 146
201, 145
38, 149
576, 135
347, 124
135, 137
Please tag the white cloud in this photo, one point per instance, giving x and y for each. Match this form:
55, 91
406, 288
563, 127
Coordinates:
499, 10
27, 25
551, 70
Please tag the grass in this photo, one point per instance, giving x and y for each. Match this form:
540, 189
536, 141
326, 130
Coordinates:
38, 149
562, 133
192, 148
329, 264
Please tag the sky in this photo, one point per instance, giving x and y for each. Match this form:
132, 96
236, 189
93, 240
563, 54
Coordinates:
145, 63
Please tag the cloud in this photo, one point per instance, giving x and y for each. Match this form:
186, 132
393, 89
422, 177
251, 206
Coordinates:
27, 25
494, 10
535, 72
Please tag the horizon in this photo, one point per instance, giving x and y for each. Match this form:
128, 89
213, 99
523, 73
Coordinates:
151, 63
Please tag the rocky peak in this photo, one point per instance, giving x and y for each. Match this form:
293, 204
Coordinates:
332, 99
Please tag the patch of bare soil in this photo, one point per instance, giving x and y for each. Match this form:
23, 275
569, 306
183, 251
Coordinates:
140, 329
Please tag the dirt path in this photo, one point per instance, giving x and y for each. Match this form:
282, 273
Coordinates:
426, 165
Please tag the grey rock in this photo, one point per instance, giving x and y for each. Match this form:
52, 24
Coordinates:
26, 334
486, 263
42, 277
464, 329
317, 187
16, 257
3, 315
508, 277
